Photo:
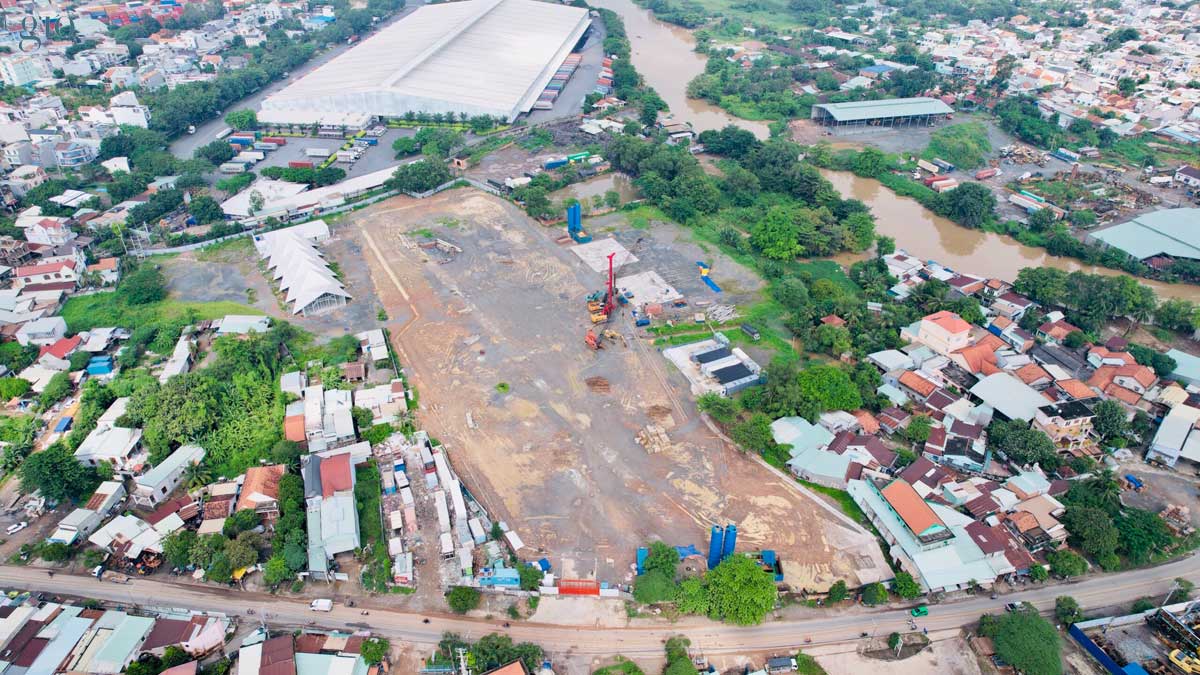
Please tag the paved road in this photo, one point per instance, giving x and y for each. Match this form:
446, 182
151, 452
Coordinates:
639, 641
186, 144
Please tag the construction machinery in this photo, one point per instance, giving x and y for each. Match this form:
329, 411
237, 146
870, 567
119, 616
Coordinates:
593, 341
601, 304
1184, 661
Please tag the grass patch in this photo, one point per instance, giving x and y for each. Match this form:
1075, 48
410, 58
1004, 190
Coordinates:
109, 309
807, 665
639, 217
964, 145
502, 387
377, 564
230, 250
623, 667
843, 499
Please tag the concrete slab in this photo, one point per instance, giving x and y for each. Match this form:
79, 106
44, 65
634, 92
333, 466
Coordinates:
595, 254
647, 288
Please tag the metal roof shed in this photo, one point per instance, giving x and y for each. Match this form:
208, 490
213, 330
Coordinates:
881, 113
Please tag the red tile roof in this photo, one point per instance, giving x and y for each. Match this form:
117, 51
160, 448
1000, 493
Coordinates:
1031, 373
917, 383
336, 474
913, 510
293, 428
1075, 389
62, 348
985, 538
44, 268
260, 480
949, 321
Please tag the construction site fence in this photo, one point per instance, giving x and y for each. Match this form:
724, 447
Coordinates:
1094, 649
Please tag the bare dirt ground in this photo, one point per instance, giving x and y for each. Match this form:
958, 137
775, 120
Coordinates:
553, 456
946, 655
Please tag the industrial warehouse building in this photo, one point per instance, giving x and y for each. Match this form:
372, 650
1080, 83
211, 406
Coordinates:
479, 57
889, 113
1161, 235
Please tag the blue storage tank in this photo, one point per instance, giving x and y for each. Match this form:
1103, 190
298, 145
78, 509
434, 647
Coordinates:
642, 554
715, 540
730, 541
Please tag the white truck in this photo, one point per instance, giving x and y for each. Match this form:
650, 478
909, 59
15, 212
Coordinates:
321, 605
319, 153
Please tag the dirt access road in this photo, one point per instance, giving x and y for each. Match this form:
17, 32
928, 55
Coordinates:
555, 455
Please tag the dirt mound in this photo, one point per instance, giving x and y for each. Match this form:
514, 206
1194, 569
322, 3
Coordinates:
658, 412
598, 384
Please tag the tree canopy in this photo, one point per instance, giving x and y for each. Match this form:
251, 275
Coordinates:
739, 591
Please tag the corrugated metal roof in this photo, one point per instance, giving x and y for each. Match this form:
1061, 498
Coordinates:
896, 107
1170, 231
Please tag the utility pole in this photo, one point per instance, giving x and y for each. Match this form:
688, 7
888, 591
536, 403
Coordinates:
462, 662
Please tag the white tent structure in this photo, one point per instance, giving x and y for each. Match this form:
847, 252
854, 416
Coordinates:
296, 263
479, 57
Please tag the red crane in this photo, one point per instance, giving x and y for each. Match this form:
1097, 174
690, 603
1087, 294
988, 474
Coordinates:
610, 298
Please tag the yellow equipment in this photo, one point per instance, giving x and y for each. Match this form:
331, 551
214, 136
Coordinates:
1184, 661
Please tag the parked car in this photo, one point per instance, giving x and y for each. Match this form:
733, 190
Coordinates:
920, 611
1012, 607
17, 527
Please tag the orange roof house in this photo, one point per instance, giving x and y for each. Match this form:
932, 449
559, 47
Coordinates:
916, 514
921, 386
1075, 389
949, 321
293, 428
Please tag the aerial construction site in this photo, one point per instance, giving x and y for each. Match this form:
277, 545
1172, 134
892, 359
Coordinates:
586, 453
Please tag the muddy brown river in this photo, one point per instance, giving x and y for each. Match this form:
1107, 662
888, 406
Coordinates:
932, 237
665, 56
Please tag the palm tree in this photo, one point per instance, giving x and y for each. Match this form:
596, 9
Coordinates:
196, 476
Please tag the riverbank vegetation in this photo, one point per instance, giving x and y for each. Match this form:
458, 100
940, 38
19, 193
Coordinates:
627, 83
973, 205
964, 145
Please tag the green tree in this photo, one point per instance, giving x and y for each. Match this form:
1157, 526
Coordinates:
894, 641
1142, 533
1111, 420
776, 236
58, 388
531, 577
55, 552
174, 656
374, 650
276, 570
970, 204
463, 599
833, 339
206, 210
662, 558
216, 152
1038, 573
837, 592
739, 592
1066, 564
143, 286
692, 597
718, 407
754, 434
1092, 530
1066, 610
242, 120
177, 547
653, 586
405, 145
874, 594
905, 586
870, 162
13, 387
420, 176
58, 475
1026, 641
918, 428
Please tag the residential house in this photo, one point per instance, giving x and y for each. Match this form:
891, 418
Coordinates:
926, 477
1068, 424
1055, 331
159, 482
49, 232
1101, 355
107, 271
76, 526
944, 332
926, 539
1127, 384
57, 356
1188, 175
916, 385
44, 331
1011, 305
1036, 522
1008, 396
53, 272
108, 442
260, 491
331, 508
27, 177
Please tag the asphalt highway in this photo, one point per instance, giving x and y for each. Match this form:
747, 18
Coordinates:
824, 627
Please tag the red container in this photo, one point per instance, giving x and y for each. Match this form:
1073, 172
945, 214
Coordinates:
300, 165
277, 140
986, 173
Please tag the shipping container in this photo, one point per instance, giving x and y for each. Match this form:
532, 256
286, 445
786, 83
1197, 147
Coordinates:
277, 140
232, 167
300, 165
945, 185
555, 163
371, 141
943, 164
1066, 155
406, 496
931, 168
321, 153
986, 173
244, 142
266, 147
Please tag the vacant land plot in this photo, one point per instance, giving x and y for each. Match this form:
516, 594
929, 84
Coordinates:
231, 272
553, 453
946, 656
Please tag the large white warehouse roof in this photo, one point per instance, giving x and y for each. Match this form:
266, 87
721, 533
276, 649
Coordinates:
481, 57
